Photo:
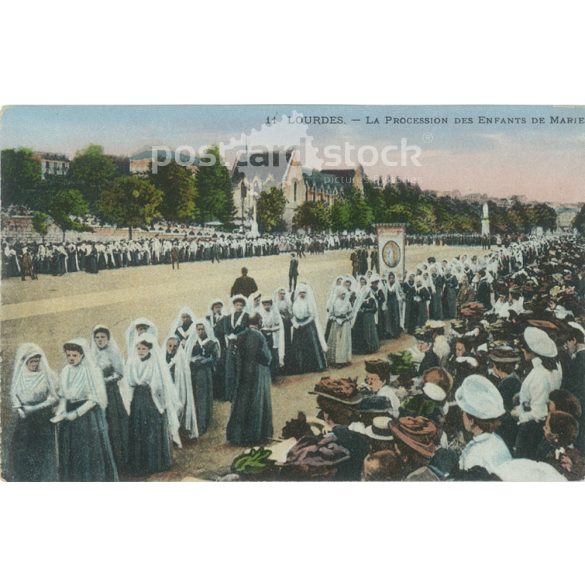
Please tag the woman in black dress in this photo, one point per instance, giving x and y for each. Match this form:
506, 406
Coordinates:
34, 395
85, 452
153, 423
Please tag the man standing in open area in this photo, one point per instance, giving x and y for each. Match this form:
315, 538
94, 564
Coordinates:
293, 272
244, 285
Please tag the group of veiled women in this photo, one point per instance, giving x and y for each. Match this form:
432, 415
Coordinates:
106, 416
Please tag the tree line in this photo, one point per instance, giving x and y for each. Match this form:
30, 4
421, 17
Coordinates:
422, 210
95, 184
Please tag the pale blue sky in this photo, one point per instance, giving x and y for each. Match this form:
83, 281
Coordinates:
545, 162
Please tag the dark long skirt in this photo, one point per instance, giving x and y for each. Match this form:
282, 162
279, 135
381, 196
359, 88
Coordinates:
392, 317
117, 418
306, 352
149, 443
219, 378
287, 346
85, 453
202, 379
34, 449
232, 368
250, 420
364, 334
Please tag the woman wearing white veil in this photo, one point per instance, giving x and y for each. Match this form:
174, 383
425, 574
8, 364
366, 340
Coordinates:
85, 452
178, 364
182, 327
282, 302
108, 357
339, 352
338, 281
153, 423
34, 394
253, 303
364, 328
136, 328
215, 316
273, 331
203, 351
308, 343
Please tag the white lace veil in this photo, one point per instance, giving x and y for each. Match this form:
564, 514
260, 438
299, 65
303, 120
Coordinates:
89, 375
187, 412
114, 355
45, 377
131, 333
156, 374
306, 287
178, 322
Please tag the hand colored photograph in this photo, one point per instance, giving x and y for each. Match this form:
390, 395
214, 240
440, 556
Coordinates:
292, 293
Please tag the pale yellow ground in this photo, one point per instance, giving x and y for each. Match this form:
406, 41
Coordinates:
52, 310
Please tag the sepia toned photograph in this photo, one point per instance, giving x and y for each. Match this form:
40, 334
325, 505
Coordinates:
292, 293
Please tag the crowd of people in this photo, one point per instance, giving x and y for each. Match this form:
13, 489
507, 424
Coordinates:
493, 384
21, 258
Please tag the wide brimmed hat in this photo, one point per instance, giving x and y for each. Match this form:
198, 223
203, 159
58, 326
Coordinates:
379, 367
539, 342
350, 401
378, 430
504, 354
421, 334
439, 376
434, 324
479, 397
434, 392
417, 432
527, 470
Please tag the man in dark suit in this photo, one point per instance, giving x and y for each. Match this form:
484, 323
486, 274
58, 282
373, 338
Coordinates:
293, 272
244, 285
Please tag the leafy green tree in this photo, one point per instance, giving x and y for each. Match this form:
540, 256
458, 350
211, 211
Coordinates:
339, 215
178, 185
64, 204
312, 215
361, 214
21, 175
214, 189
542, 215
131, 202
374, 197
91, 171
270, 210
579, 221
40, 224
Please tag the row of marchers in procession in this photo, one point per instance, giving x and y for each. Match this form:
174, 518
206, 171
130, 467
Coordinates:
29, 259
493, 387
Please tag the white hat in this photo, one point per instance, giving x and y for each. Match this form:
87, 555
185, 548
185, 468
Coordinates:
527, 470
379, 429
539, 342
434, 392
478, 397
575, 325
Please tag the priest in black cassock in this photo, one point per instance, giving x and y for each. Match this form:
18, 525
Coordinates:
250, 420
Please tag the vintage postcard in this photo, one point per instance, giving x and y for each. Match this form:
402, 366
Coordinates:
292, 293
